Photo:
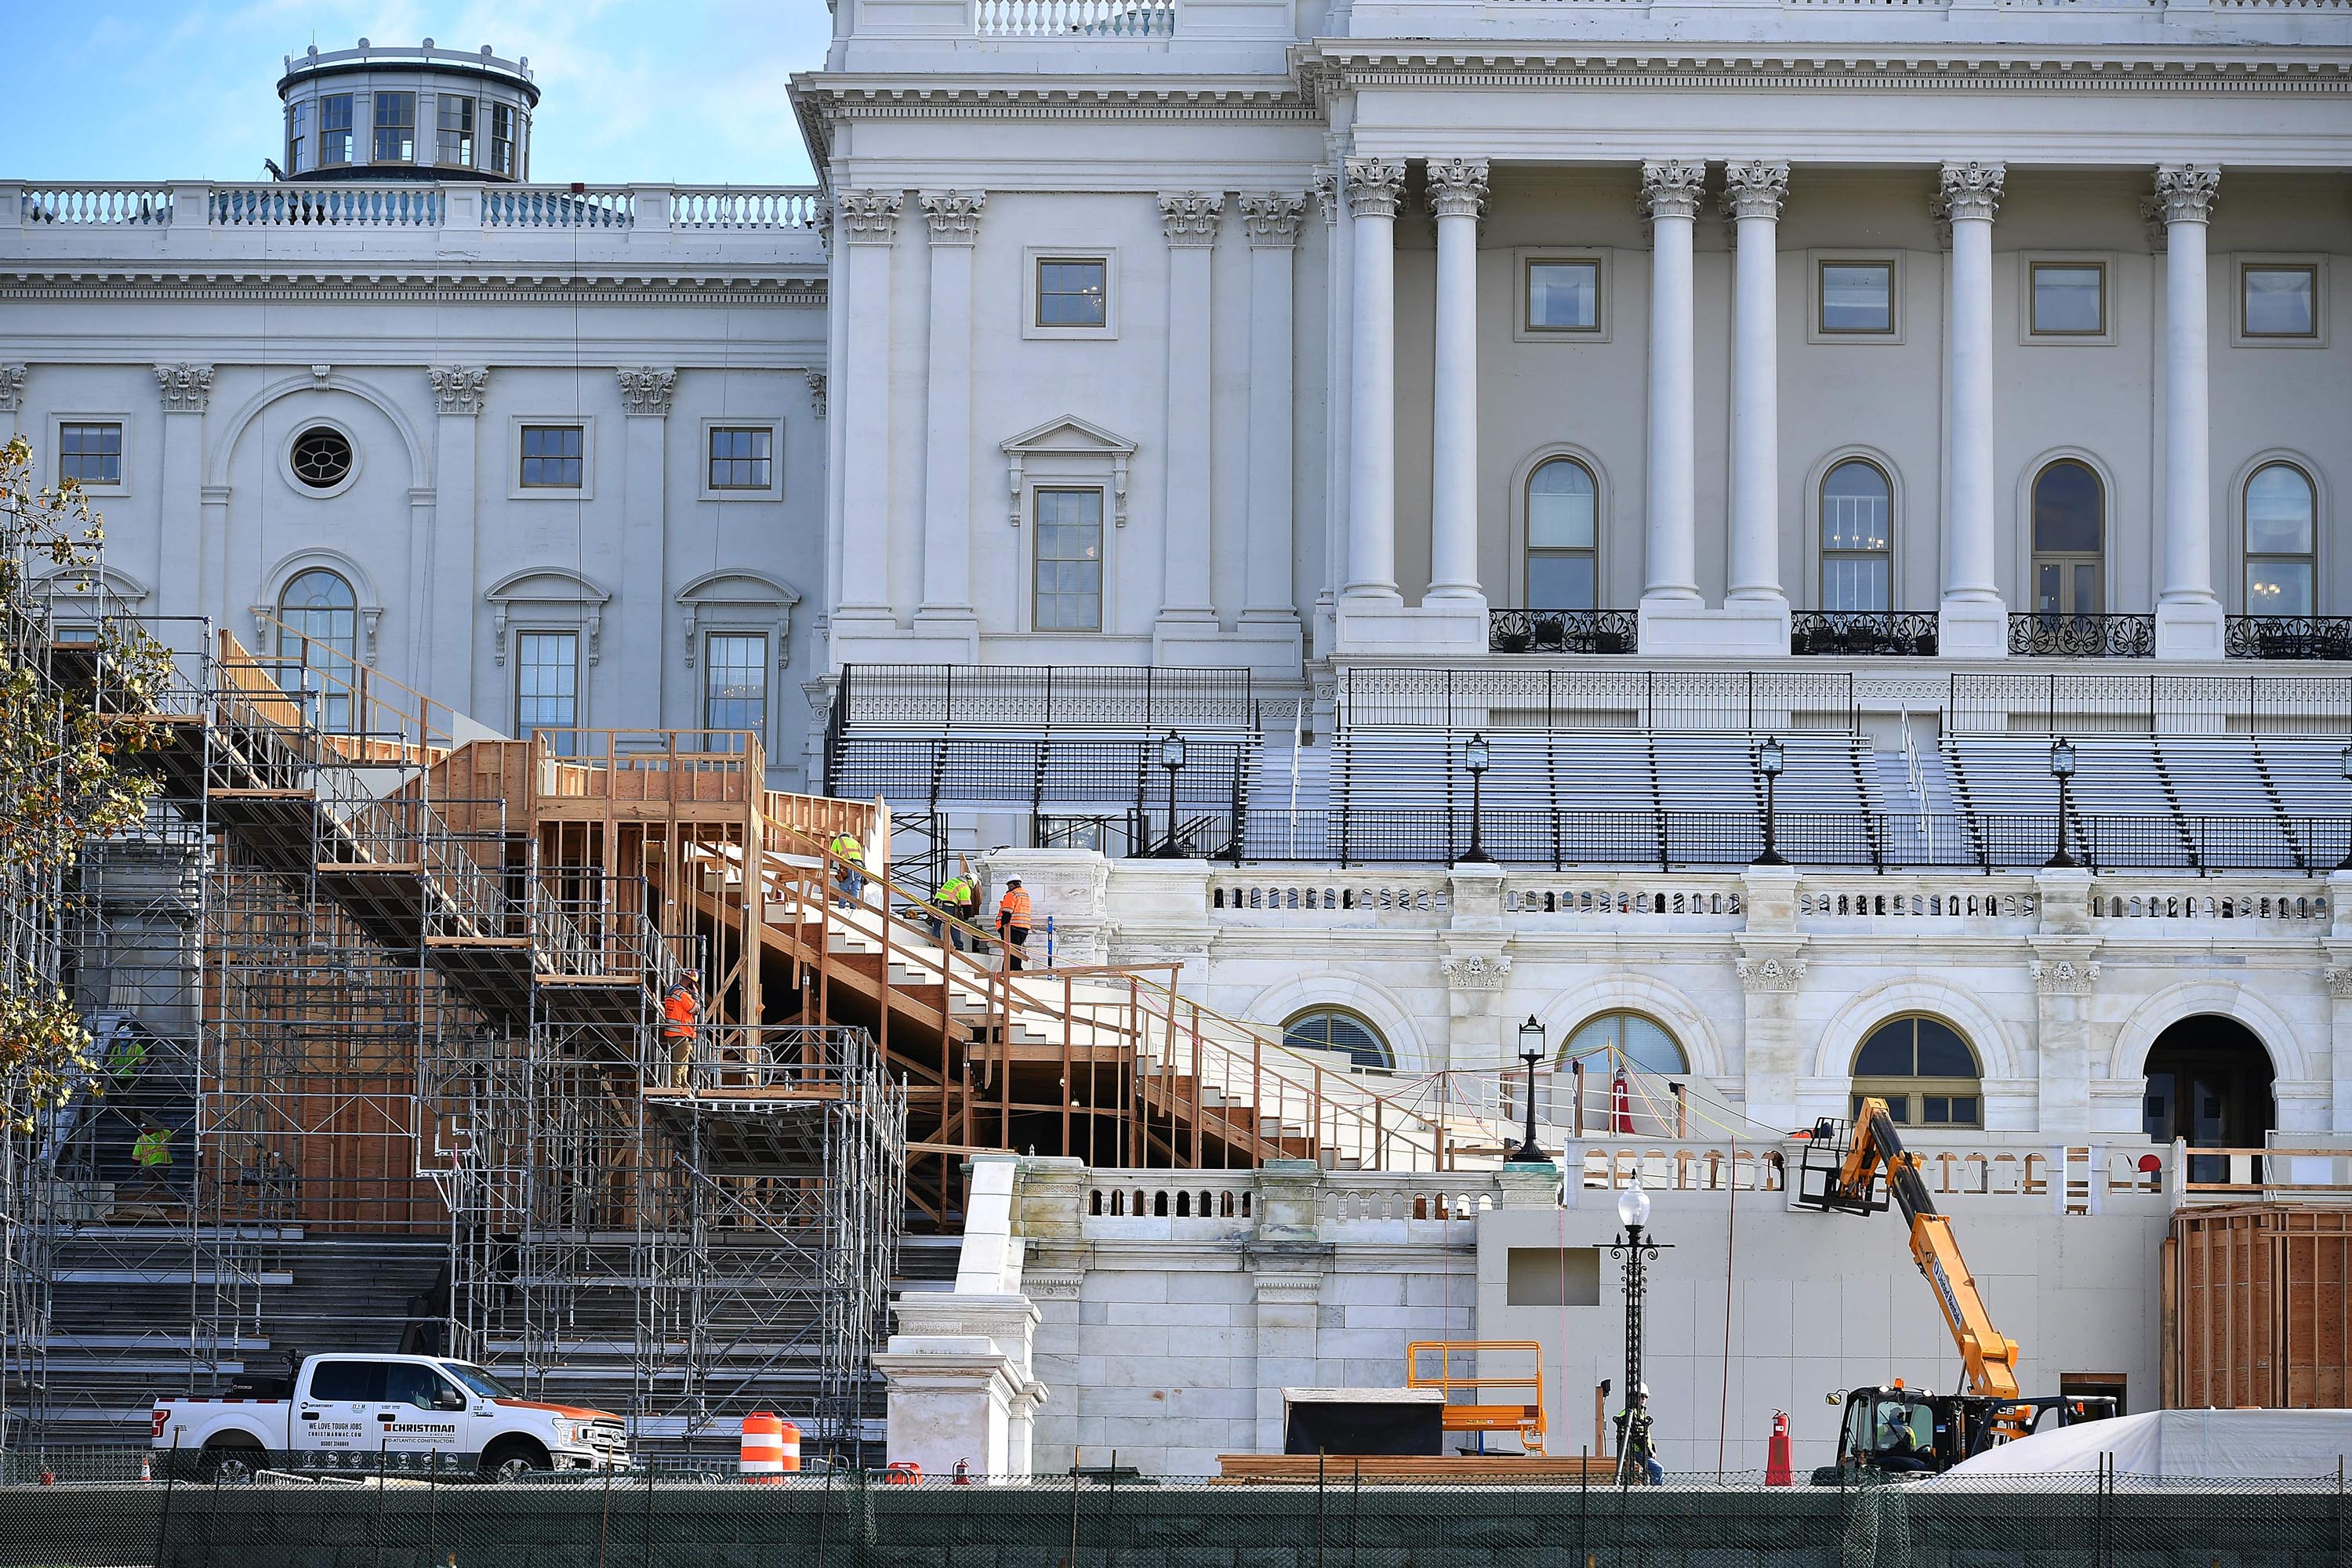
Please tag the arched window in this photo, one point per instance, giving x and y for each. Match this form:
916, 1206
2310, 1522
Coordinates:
1857, 536
1336, 1029
320, 643
2070, 513
1924, 1070
1561, 556
2280, 526
1643, 1042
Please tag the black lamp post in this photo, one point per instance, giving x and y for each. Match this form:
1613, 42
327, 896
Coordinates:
2061, 768
1770, 761
1474, 757
1171, 757
1636, 1249
1531, 1051
2346, 865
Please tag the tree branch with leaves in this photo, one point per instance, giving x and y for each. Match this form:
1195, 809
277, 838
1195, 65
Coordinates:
75, 711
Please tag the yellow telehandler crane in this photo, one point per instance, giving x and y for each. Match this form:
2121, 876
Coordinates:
1855, 1168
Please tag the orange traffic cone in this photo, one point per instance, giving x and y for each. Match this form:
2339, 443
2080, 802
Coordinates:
1776, 1453
145, 1474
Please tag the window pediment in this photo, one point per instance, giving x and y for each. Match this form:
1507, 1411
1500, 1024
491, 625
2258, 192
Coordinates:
542, 590
1067, 448
739, 599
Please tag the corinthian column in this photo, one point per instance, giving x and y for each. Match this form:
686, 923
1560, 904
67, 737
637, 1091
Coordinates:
1272, 224
868, 222
1752, 195
1457, 190
1374, 186
1974, 623
1670, 197
945, 611
2188, 619
1189, 220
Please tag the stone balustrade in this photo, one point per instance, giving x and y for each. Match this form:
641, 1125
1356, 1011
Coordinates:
477, 224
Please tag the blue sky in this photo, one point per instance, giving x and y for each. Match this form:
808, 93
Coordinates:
683, 91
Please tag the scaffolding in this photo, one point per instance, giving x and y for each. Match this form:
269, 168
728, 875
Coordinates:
395, 1000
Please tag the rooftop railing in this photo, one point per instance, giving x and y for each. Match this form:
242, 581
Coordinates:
405, 205
1075, 18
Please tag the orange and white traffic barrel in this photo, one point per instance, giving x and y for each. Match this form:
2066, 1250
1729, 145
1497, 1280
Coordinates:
763, 1449
791, 1448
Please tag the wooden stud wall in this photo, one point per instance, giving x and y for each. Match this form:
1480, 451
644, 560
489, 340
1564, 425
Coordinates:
2260, 1313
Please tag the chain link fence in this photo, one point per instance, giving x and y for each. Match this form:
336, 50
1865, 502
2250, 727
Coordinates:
707, 1518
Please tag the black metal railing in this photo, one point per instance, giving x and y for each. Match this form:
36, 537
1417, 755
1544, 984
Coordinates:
2088, 703
1561, 631
1983, 841
1037, 697
2288, 637
1903, 634
1551, 698
2043, 634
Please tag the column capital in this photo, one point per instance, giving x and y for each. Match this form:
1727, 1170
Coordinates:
458, 388
2185, 193
1671, 188
1969, 189
1191, 217
954, 215
869, 217
1272, 220
1755, 188
12, 388
1457, 187
646, 390
1375, 186
186, 387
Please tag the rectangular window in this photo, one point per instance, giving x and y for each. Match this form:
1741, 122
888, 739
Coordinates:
547, 687
739, 458
348, 1383
91, 454
1072, 291
2070, 300
297, 138
1563, 296
396, 128
335, 129
502, 140
456, 116
1552, 1277
1068, 591
1857, 297
735, 684
2281, 301
554, 457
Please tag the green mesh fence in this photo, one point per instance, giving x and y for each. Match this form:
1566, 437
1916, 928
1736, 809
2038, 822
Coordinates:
709, 1520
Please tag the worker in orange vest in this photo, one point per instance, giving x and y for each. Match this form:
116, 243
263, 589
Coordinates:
1012, 920
678, 1013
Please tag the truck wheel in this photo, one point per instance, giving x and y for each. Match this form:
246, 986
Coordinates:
511, 1458
234, 1460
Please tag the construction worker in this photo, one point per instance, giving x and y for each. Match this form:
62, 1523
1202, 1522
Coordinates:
851, 879
1013, 921
152, 1150
1637, 1453
678, 1028
952, 905
125, 1055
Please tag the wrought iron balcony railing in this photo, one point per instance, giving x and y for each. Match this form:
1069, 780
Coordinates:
1561, 631
2043, 635
1906, 634
2288, 637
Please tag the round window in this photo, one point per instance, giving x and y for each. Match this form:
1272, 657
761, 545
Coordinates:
322, 458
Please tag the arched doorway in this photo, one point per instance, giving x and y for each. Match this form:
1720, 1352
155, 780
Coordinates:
2209, 1083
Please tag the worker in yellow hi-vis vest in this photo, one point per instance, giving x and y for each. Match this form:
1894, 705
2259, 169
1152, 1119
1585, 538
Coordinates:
152, 1150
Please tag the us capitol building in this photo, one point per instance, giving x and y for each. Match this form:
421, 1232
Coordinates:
1786, 543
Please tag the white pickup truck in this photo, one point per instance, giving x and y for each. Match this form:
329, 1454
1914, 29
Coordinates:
396, 1412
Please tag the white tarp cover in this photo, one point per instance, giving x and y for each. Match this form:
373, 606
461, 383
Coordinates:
2179, 1445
